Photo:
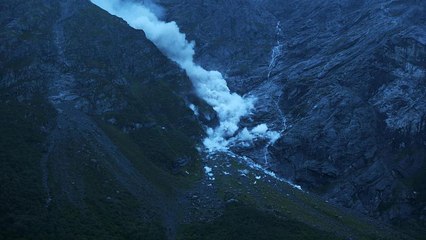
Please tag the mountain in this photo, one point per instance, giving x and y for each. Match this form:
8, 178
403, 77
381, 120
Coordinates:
347, 80
102, 134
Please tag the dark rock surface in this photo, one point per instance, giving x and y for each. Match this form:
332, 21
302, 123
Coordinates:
356, 104
348, 82
98, 142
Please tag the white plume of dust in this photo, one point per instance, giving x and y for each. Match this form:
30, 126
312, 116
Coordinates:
209, 85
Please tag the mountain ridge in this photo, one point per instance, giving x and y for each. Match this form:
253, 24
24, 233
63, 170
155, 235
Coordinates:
99, 141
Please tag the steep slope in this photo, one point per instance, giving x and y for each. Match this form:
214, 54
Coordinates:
343, 79
234, 37
354, 87
73, 93
98, 141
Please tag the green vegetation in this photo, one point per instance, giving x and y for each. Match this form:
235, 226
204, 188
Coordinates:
298, 206
108, 211
244, 222
161, 178
21, 194
169, 133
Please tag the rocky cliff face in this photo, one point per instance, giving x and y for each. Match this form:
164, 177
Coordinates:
98, 140
356, 105
344, 79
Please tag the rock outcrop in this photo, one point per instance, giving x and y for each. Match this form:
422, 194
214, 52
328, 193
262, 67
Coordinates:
348, 83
